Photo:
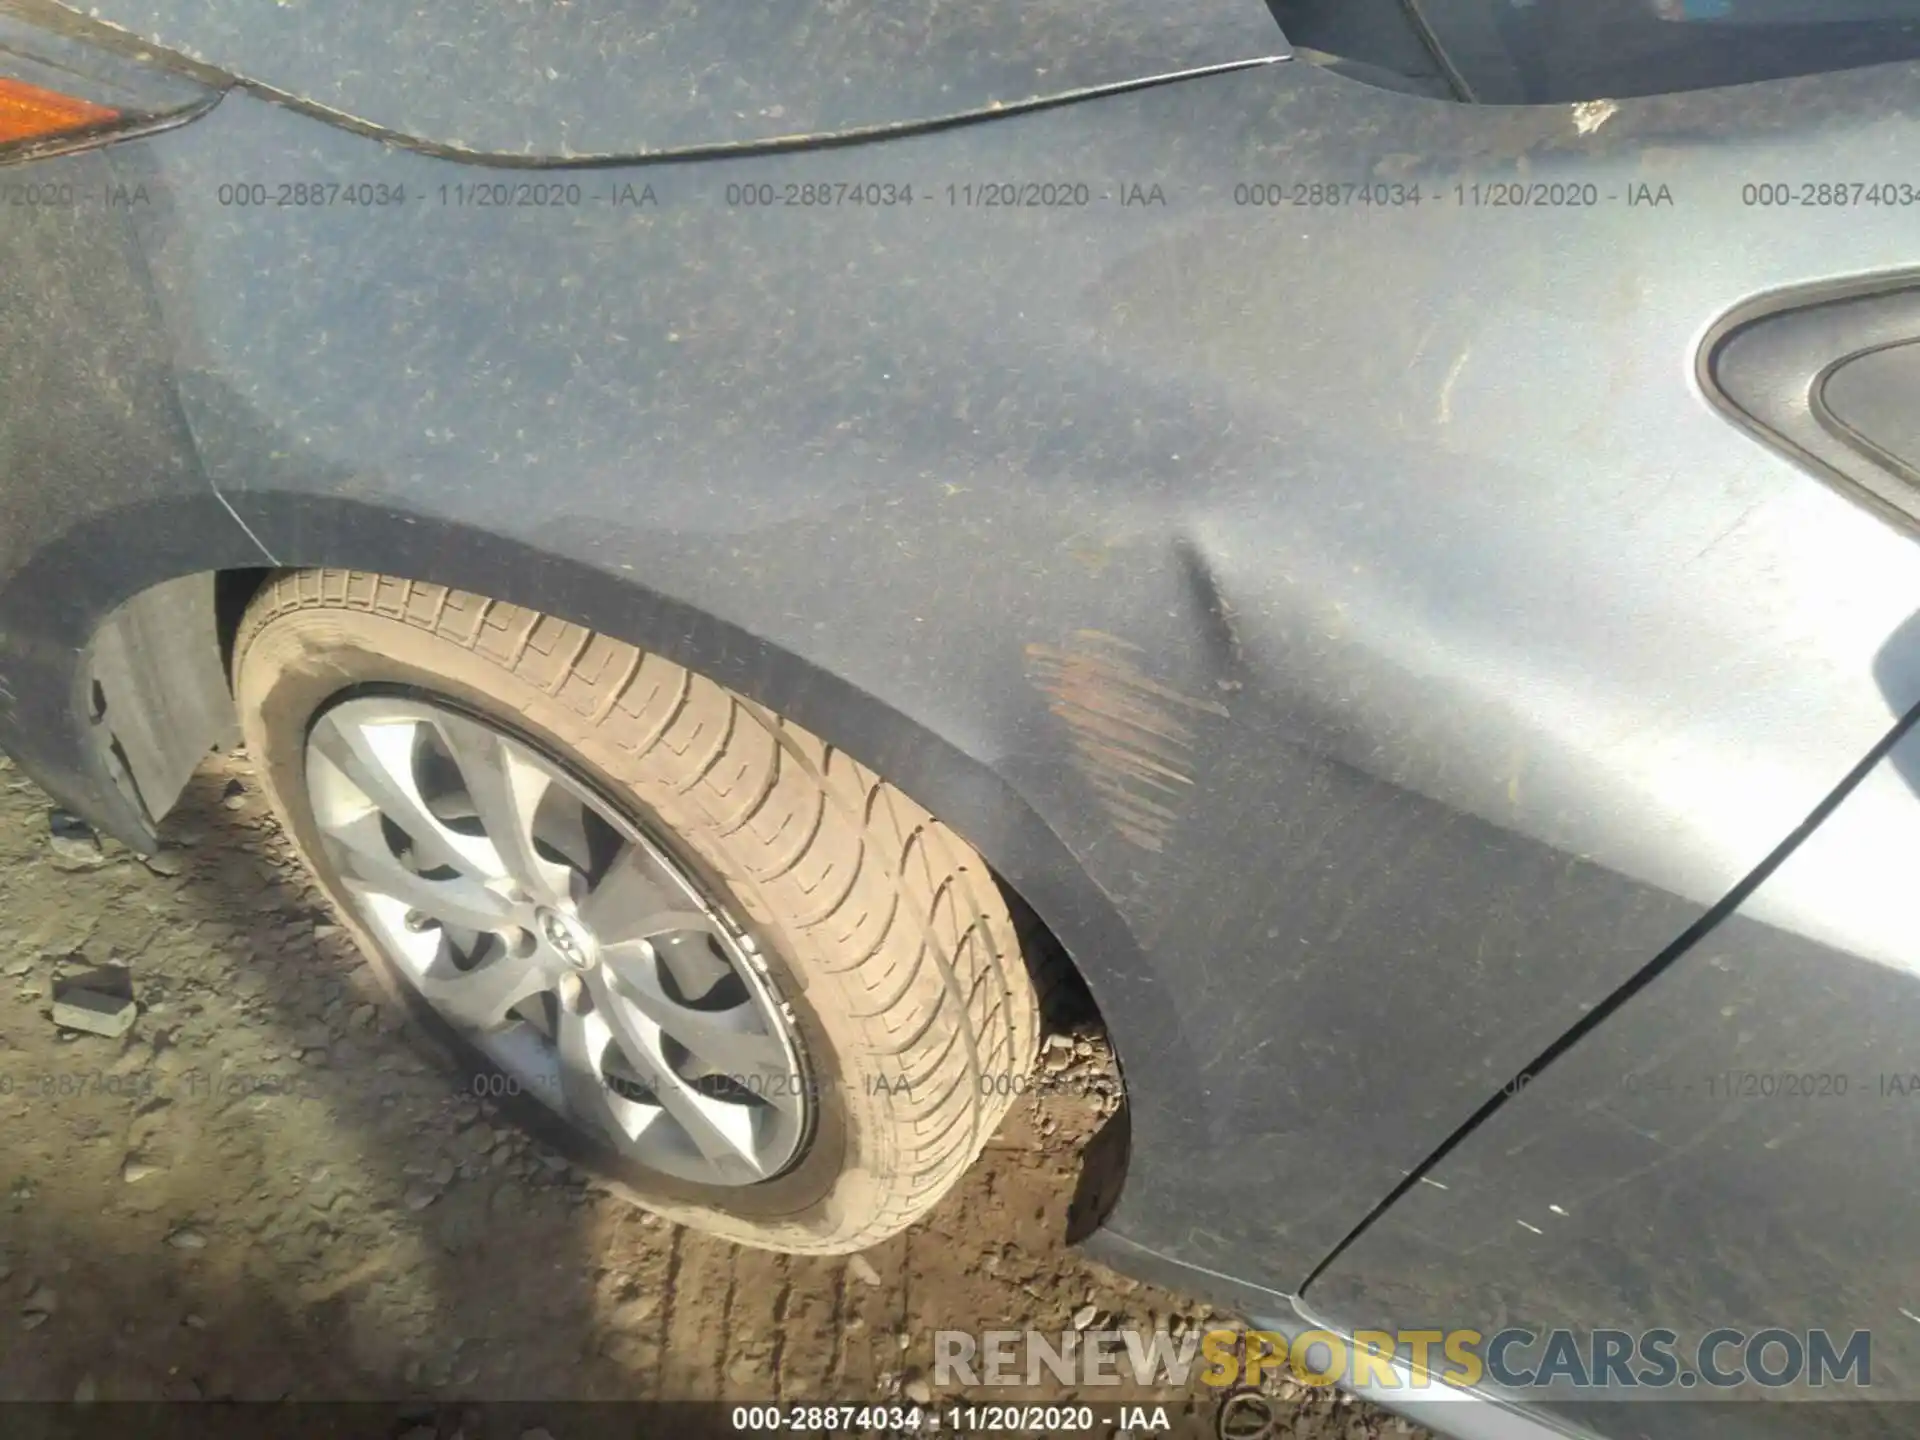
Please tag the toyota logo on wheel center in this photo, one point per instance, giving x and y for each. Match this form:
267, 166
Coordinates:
572, 943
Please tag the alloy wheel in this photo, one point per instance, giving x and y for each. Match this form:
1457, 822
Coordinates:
543, 925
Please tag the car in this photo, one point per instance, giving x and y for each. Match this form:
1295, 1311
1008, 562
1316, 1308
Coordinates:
749, 546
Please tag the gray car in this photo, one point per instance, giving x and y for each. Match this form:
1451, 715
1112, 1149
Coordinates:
1382, 532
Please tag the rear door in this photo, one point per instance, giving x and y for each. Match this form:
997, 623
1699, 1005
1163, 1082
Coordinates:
1718, 1165
1735, 1152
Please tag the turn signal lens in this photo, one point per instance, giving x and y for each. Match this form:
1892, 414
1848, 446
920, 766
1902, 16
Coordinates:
29, 113
69, 84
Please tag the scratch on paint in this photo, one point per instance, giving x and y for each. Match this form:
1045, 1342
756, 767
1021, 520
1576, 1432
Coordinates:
1446, 386
1129, 737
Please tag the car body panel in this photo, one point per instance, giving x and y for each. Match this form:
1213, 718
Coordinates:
616, 77
1644, 1180
1464, 655
105, 497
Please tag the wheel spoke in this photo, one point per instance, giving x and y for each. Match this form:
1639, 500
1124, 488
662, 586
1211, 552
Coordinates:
727, 1042
506, 788
360, 846
690, 960
583, 1089
722, 1131
564, 828
479, 999
633, 902
377, 760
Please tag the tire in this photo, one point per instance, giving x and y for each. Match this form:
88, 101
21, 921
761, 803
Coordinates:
883, 934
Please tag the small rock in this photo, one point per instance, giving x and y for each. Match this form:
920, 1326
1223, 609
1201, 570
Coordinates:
76, 1007
1084, 1316
87, 1391
234, 796
635, 1312
1058, 1043
919, 1391
164, 862
194, 1322
187, 1240
42, 1299
133, 1170
33, 1319
536, 1433
861, 1270
73, 843
420, 1195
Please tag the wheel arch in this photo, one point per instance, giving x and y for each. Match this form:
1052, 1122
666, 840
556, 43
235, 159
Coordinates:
1069, 919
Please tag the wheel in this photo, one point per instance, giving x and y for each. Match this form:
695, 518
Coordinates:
715, 960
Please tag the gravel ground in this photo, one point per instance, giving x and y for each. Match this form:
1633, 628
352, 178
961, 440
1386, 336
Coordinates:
260, 1191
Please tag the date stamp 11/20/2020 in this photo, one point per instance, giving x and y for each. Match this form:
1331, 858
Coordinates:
299, 1082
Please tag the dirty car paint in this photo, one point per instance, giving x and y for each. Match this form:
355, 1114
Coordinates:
1338, 621
634, 77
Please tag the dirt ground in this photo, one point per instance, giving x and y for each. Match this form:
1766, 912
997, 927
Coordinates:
261, 1192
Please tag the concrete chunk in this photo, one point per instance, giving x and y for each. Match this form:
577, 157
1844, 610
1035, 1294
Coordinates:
77, 1008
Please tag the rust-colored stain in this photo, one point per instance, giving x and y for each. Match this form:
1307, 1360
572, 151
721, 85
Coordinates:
1131, 735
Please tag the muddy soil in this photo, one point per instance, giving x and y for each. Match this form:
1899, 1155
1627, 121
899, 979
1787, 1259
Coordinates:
261, 1191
